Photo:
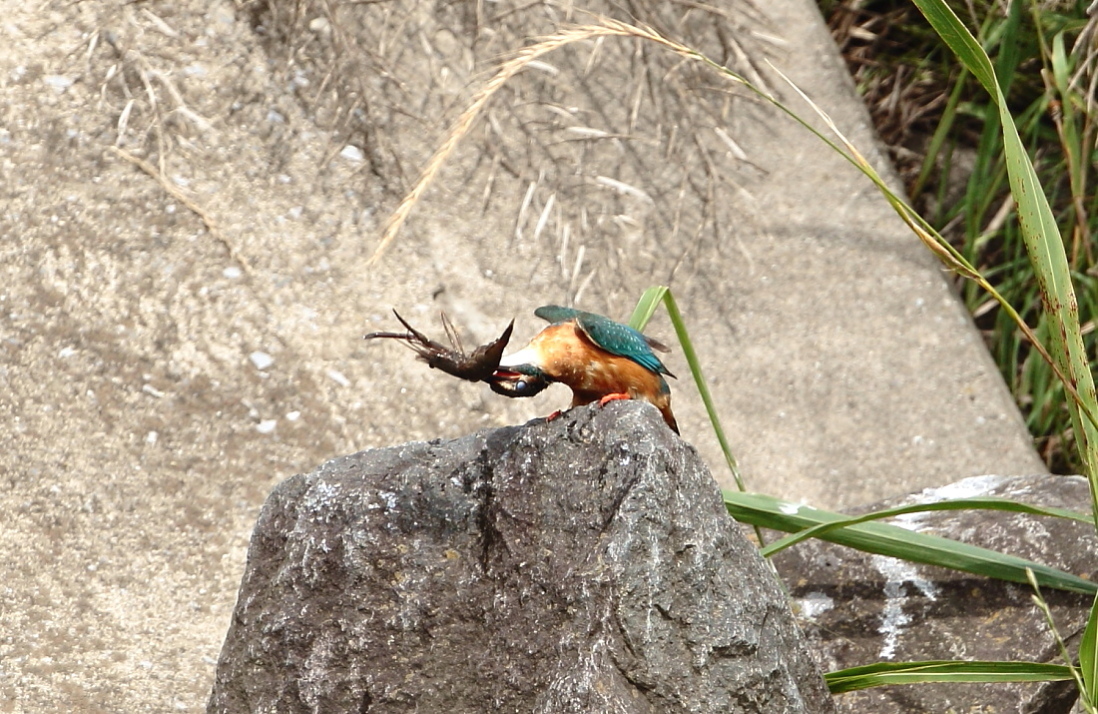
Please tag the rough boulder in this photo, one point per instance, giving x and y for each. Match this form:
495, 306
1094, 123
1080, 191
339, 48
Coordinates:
580, 565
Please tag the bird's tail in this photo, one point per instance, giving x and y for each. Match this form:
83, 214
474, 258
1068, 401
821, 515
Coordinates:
669, 417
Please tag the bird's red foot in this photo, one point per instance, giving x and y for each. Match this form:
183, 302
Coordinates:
612, 398
554, 415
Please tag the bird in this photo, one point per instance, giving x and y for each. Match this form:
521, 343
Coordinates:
599, 359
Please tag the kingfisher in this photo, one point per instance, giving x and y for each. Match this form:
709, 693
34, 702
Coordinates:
597, 358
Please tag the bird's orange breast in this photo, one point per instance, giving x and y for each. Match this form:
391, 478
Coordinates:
569, 357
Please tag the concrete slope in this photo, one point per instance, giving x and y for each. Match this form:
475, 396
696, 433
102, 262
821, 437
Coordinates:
190, 192
857, 368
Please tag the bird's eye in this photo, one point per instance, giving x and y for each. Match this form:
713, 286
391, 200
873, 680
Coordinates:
520, 385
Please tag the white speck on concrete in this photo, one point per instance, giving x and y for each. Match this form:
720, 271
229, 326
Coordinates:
66, 352
261, 360
353, 153
151, 437
152, 391
543, 67
338, 377
266, 426
58, 82
232, 272
293, 416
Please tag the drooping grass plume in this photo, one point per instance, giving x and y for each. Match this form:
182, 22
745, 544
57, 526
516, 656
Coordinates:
605, 27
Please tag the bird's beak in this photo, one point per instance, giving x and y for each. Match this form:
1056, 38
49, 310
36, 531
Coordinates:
518, 375
516, 384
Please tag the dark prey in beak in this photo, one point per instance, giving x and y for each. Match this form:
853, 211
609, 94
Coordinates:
480, 366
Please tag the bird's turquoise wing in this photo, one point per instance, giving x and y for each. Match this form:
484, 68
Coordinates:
613, 337
620, 340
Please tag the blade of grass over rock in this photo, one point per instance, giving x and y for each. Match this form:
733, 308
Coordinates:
884, 539
1042, 605
960, 504
887, 673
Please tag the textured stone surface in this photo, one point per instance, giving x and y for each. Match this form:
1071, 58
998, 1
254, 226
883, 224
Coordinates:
582, 565
858, 608
142, 427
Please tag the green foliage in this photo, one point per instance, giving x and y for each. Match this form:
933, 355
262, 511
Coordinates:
1041, 236
884, 539
1065, 363
646, 307
885, 673
1045, 86
1088, 662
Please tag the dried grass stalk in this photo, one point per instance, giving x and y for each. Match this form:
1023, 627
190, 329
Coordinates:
604, 27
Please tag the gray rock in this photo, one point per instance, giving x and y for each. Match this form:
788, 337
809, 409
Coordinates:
858, 608
579, 565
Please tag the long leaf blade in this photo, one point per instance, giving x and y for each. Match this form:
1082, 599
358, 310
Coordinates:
884, 539
647, 305
642, 313
1088, 654
958, 504
887, 673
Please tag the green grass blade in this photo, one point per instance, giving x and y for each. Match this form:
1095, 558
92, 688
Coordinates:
886, 673
959, 504
1088, 656
941, 133
960, 40
646, 307
1042, 605
1073, 145
884, 539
